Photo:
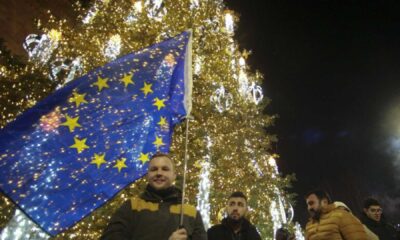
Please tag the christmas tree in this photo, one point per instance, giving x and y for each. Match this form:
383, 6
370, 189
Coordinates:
229, 144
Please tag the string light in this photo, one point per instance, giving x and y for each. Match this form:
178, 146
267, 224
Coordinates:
203, 202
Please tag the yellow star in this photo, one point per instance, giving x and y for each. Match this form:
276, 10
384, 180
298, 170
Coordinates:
158, 142
78, 98
72, 123
120, 164
80, 145
162, 122
101, 83
159, 103
127, 79
98, 160
144, 157
146, 89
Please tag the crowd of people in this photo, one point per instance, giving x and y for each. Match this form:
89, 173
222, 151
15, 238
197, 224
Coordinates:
157, 214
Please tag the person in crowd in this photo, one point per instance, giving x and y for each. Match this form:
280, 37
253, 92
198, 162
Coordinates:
373, 218
155, 214
235, 226
329, 222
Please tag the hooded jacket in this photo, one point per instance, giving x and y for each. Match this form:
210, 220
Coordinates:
224, 232
154, 216
335, 224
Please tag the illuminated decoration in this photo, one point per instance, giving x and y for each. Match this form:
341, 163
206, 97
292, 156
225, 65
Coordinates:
137, 9
63, 71
20, 227
298, 233
113, 47
229, 26
197, 65
203, 196
255, 93
155, 9
40, 47
94, 10
251, 92
221, 99
194, 4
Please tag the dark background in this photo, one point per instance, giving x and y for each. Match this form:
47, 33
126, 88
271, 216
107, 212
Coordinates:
332, 71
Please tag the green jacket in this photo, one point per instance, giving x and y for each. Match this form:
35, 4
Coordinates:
154, 217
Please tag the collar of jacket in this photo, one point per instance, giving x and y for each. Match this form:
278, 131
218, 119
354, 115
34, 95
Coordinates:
172, 194
244, 226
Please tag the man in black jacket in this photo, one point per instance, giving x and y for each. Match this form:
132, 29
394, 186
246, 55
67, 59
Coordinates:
373, 219
154, 215
235, 226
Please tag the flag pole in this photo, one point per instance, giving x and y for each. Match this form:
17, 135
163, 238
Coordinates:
184, 172
188, 107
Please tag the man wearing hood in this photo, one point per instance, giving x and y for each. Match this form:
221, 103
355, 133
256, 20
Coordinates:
234, 226
155, 213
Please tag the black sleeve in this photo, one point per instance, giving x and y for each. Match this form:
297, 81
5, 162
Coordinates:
120, 226
199, 232
211, 234
254, 235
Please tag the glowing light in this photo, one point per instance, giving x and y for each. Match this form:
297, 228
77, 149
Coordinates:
156, 9
40, 47
63, 70
20, 227
203, 201
113, 47
222, 100
229, 23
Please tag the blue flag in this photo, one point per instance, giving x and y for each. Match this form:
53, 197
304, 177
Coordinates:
76, 149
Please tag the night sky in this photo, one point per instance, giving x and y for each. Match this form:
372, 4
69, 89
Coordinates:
332, 71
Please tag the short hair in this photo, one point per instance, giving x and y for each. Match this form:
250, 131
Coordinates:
370, 202
238, 195
321, 194
161, 154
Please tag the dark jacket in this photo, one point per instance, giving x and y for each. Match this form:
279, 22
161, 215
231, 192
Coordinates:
154, 216
224, 232
384, 230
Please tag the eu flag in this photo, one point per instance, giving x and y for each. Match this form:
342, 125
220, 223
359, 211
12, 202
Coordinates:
73, 151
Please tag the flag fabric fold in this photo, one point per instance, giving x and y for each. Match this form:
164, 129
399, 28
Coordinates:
76, 149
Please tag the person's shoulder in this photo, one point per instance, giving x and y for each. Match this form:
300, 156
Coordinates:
215, 227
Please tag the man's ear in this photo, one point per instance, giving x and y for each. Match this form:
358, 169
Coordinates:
365, 210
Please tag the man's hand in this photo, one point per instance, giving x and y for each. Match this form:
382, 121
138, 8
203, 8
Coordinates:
179, 234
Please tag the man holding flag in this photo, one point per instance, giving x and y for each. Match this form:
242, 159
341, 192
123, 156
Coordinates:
76, 149
155, 214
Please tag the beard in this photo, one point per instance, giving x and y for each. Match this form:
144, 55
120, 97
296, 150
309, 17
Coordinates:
315, 214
